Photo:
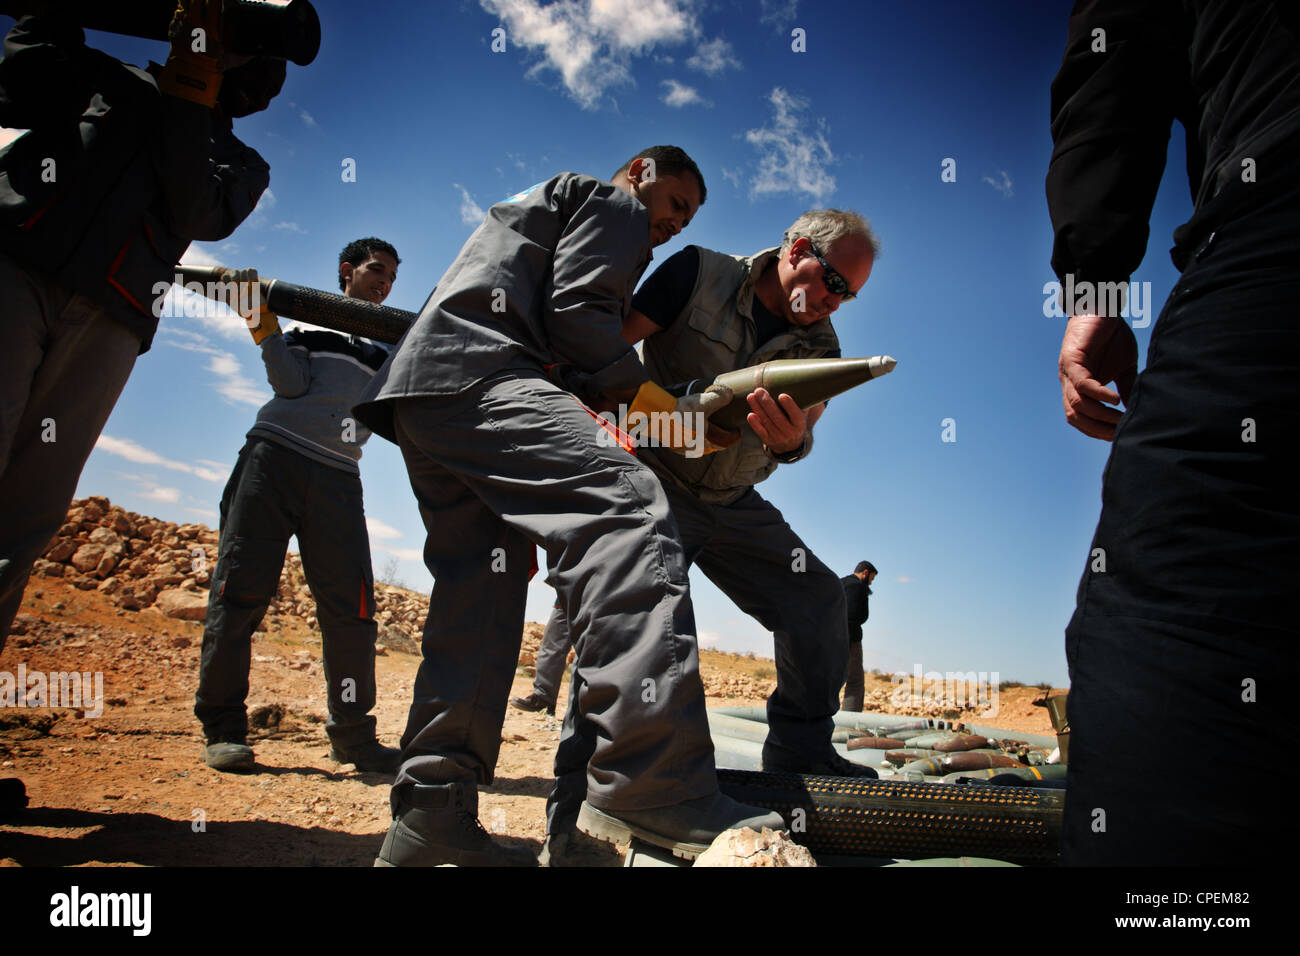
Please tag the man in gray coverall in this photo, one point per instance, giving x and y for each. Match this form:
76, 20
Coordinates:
703, 313
502, 458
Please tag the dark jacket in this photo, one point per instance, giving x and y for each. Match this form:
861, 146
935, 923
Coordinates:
1228, 70
542, 284
113, 180
855, 602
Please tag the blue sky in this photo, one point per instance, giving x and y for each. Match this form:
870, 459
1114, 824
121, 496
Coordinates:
980, 541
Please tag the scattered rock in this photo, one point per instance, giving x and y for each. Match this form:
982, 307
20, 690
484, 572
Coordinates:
755, 848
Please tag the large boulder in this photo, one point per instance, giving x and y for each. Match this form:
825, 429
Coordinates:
182, 604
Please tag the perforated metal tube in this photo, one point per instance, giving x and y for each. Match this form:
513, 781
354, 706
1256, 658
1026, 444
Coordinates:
845, 816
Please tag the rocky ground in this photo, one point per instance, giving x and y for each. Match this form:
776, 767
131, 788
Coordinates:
122, 782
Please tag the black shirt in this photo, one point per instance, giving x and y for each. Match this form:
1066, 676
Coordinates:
1229, 72
665, 294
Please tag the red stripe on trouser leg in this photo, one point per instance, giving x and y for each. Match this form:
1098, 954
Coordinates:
625, 441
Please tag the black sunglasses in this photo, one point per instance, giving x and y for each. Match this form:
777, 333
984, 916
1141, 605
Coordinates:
835, 283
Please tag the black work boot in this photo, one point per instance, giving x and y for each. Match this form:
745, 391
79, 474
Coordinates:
575, 848
229, 756
438, 824
686, 828
533, 703
829, 764
370, 756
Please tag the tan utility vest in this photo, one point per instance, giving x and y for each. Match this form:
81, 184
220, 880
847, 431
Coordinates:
714, 334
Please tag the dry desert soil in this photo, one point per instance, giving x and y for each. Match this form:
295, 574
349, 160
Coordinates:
127, 786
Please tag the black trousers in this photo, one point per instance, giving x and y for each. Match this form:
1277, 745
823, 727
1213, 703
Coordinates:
273, 494
1189, 607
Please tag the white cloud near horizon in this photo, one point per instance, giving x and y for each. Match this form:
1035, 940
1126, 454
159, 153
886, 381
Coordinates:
133, 451
405, 554
679, 95
378, 529
713, 57
591, 43
471, 214
793, 151
1002, 185
169, 495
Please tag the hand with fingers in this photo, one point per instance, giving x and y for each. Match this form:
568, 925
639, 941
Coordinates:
1096, 350
243, 294
193, 70
780, 422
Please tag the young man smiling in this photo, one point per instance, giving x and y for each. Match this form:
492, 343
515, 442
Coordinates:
297, 475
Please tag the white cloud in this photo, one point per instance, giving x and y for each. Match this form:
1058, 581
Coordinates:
779, 13
406, 554
380, 530
137, 453
290, 227
260, 216
1002, 185
307, 119
205, 513
470, 213
712, 57
196, 255
679, 94
233, 385
590, 43
904, 579
170, 495
793, 151
708, 640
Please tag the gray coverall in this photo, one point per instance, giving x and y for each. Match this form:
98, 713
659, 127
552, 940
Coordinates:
736, 537
501, 459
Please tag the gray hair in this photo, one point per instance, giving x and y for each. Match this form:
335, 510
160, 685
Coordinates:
825, 226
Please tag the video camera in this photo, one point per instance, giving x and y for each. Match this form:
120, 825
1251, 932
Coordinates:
279, 28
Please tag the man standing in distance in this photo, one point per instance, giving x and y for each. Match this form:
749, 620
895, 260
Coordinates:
502, 458
857, 590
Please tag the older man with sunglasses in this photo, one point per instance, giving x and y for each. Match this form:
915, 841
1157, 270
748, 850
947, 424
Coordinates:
703, 313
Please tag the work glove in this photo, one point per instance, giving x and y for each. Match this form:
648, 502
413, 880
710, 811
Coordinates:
261, 321
688, 412
193, 70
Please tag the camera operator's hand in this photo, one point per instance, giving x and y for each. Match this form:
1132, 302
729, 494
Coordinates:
193, 70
